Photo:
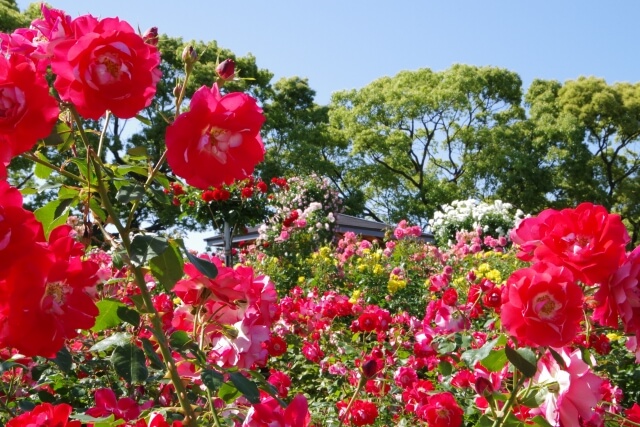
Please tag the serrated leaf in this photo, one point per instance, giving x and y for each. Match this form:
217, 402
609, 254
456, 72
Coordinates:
247, 387
140, 151
168, 267
153, 357
202, 265
558, 358
108, 315
53, 214
63, 360
42, 171
130, 193
228, 392
146, 247
541, 421
128, 315
179, 340
445, 368
10, 364
213, 380
97, 209
471, 357
523, 359
534, 398
117, 339
109, 421
129, 362
495, 361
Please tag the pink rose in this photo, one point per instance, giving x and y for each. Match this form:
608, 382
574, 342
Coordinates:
104, 66
218, 140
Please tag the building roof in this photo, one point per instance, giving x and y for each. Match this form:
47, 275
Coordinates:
344, 223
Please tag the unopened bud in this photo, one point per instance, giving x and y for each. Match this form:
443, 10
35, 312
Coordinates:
484, 387
226, 69
177, 90
189, 56
369, 368
151, 36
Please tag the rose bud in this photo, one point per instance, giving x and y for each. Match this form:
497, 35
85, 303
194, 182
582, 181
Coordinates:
483, 387
226, 69
189, 56
151, 36
369, 368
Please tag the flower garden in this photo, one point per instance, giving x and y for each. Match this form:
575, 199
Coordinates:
504, 320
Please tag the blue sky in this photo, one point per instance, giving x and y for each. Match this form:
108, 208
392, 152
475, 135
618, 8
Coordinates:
346, 44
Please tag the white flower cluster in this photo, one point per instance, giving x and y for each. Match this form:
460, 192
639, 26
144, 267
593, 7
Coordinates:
495, 218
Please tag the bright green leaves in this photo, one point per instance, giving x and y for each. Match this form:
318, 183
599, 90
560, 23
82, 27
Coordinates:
167, 267
129, 362
113, 313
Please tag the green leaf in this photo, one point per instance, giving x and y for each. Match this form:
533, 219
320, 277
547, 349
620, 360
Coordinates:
143, 120
228, 392
179, 340
109, 421
247, 387
97, 209
534, 398
130, 193
495, 361
128, 315
154, 359
108, 315
63, 360
445, 368
471, 357
117, 339
541, 421
129, 362
138, 152
523, 359
213, 380
146, 247
202, 265
41, 170
53, 214
10, 364
168, 267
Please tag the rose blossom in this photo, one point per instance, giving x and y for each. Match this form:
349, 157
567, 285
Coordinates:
218, 140
45, 414
105, 65
27, 111
588, 240
542, 305
572, 392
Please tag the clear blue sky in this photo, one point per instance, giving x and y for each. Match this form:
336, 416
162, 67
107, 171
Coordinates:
346, 44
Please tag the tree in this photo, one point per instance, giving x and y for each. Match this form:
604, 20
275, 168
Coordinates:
592, 130
414, 136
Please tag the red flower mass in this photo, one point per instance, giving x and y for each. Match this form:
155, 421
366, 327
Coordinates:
218, 140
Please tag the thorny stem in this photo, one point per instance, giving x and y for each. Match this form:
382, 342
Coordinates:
156, 324
32, 157
506, 409
212, 408
361, 383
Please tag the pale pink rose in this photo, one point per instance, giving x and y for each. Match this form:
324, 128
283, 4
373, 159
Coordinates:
571, 393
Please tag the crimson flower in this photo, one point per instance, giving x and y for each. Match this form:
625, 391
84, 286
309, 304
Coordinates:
441, 410
542, 305
361, 413
588, 240
45, 415
218, 140
27, 111
124, 408
105, 65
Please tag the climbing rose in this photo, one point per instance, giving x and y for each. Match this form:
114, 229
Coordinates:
542, 305
45, 415
27, 111
588, 240
218, 140
105, 65
361, 413
269, 412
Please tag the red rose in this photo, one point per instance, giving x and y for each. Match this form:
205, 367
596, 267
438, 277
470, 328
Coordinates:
27, 111
441, 410
218, 140
361, 413
104, 66
542, 305
588, 240
45, 414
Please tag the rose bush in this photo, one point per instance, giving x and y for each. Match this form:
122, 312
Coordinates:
130, 328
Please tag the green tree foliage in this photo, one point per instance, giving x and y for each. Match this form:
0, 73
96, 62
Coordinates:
413, 137
10, 16
592, 131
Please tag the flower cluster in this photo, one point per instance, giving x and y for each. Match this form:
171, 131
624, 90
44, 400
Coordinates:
493, 219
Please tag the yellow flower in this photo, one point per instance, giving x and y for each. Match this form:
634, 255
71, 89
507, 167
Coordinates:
395, 284
494, 275
301, 279
613, 336
378, 269
355, 296
483, 268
